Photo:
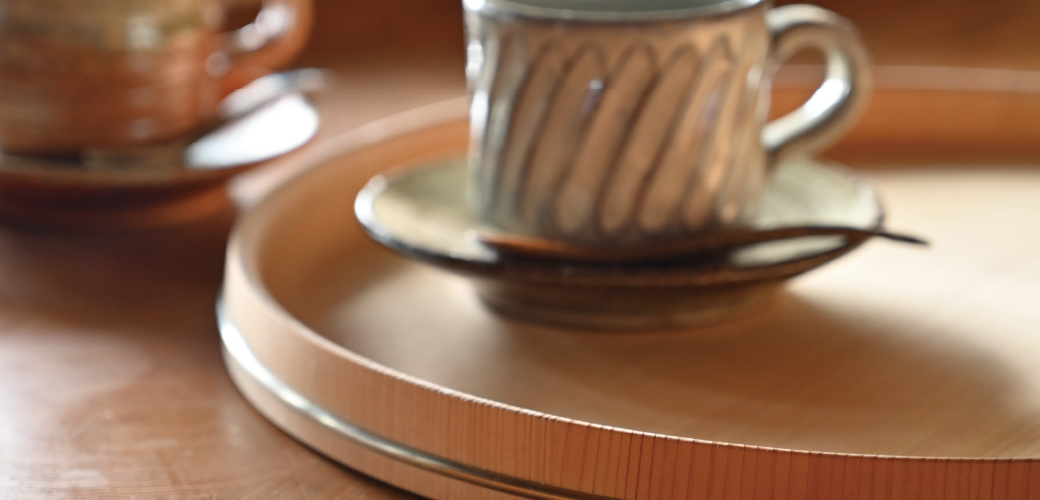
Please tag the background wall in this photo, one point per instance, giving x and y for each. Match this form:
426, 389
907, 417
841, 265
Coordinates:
917, 115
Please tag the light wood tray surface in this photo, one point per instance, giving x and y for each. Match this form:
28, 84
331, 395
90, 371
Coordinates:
891, 352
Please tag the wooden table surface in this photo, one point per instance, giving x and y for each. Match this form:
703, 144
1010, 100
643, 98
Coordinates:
111, 380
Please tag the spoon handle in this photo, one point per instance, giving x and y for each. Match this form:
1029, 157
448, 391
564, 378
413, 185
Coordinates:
535, 248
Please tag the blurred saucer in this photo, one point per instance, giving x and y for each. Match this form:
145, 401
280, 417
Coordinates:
160, 183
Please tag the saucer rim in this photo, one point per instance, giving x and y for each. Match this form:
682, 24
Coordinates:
74, 173
672, 275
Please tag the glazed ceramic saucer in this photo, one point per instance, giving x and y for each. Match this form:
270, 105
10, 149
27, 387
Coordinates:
170, 181
810, 213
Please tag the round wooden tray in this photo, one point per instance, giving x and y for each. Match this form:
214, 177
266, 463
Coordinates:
864, 369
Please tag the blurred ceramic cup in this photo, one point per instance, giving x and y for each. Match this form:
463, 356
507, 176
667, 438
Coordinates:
621, 122
77, 74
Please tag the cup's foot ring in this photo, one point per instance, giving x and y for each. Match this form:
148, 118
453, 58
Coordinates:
615, 308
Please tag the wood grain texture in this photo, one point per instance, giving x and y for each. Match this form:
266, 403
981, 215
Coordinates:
111, 379
890, 354
111, 384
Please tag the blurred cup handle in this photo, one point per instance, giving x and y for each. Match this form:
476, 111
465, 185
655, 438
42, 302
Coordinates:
276, 35
834, 107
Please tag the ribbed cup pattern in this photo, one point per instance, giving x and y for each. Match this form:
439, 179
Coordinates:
617, 133
76, 74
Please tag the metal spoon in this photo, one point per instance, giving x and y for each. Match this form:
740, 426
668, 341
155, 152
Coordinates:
686, 249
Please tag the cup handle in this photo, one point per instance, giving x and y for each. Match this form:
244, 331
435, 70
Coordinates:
276, 35
833, 108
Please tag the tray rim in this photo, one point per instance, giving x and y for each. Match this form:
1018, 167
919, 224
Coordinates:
245, 288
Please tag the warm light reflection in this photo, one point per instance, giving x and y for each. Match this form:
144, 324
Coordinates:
281, 126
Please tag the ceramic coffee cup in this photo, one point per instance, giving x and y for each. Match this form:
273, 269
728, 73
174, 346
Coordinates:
625, 122
77, 74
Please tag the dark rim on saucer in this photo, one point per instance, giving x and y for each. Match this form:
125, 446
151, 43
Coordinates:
486, 263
